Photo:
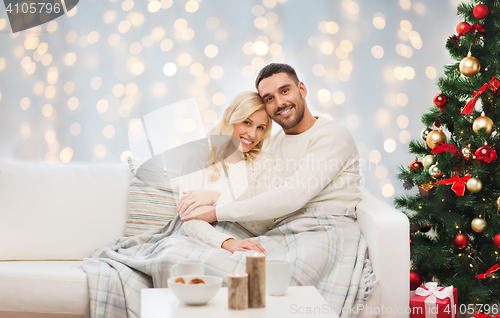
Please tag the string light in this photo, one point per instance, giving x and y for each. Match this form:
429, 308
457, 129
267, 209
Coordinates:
160, 51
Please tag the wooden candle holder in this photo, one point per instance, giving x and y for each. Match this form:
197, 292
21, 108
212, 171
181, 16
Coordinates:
237, 291
256, 270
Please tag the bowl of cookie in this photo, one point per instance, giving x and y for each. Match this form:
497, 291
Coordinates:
195, 289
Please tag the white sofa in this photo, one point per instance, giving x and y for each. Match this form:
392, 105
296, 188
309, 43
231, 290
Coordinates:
53, 215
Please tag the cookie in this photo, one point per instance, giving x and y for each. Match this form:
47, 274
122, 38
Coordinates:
180, 280
196, 281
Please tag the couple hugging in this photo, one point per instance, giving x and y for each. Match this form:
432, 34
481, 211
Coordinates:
296, 201
311, 163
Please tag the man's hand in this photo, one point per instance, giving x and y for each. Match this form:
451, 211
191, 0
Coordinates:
233, 245
204, 213
195, 198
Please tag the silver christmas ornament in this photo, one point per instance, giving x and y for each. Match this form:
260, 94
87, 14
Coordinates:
466, 152
425, 132
435, 172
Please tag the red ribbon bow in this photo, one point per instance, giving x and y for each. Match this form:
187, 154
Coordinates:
470, 105
489, 272
474, 27
458, 183
478, 314
442, 147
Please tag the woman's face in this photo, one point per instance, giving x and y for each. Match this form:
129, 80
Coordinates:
251, 130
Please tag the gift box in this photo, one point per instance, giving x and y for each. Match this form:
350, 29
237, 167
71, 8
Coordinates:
431, 301
427, 190
494, 84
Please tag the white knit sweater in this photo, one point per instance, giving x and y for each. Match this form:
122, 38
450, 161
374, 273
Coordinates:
246, 179
319, 167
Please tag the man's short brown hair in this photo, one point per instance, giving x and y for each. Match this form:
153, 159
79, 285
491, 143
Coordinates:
275, 68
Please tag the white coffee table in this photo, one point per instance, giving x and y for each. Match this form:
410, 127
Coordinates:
299, 301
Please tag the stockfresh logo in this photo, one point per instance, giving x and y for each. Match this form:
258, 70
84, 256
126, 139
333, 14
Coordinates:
26, 14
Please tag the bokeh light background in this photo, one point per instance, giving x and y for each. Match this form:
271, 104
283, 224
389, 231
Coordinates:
71, 88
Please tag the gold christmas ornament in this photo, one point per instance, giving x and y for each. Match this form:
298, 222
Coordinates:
469, 66
498, 203
435, 172
483, 122
474, 185
478, 225
434, 137
428, 161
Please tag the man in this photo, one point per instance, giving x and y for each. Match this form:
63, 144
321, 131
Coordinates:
317, 159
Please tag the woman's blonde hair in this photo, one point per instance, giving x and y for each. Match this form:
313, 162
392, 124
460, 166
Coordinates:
241, 106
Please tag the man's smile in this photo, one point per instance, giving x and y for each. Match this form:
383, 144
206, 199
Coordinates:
285, 112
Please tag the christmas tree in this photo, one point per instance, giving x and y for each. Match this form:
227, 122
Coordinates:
456, 168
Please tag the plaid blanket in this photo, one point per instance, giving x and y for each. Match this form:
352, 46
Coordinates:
325, 250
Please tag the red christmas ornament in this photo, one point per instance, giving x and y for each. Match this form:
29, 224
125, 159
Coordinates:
486, 154
415, 280
416, 166
479, 314
480, 11
496, 240
461, 26
438, 124
460, 241
440, 100
426, 228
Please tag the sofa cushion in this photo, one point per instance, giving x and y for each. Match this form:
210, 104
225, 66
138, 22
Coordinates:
43, 287
152, 201
60, 211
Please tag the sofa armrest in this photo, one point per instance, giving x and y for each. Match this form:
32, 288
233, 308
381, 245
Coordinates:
386, 231
60, 211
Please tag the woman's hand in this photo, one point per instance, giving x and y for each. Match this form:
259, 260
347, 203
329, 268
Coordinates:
233, 245
194, 198
204, 213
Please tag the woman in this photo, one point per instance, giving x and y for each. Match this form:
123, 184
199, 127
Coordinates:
240, 169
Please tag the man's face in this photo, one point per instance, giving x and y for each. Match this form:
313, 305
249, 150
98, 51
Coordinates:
284, 99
